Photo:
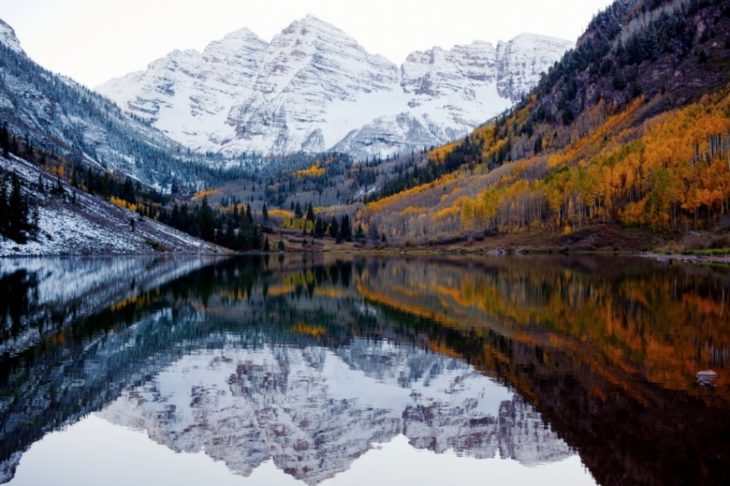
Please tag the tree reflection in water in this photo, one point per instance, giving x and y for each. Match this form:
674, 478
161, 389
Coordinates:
534, 357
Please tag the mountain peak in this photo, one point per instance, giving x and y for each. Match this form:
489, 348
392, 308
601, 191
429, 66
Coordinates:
529, 38
244, 33
240, 42
8, 37
313, 20
310, 23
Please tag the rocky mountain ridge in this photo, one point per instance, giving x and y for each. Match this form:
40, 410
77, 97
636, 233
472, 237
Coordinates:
314, 88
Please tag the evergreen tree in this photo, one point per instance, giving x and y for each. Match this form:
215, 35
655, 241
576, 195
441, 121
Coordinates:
19, 224
4, 209
5, 140
334, 228
128, 193
310, 212
206, 221
297, 211
265, 213
319, 228
229, 238
345, 229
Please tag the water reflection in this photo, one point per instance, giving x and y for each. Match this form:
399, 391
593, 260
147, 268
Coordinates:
310, 364
315, 410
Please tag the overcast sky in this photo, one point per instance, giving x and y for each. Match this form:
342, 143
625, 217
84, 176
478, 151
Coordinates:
94, 40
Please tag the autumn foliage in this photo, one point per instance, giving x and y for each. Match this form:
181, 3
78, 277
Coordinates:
670, 173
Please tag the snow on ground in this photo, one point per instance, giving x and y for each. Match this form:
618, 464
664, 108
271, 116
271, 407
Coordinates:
91, 225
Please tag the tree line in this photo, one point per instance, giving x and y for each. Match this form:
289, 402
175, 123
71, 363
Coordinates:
231, 226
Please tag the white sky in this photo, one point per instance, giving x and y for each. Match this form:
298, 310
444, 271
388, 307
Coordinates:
94, 40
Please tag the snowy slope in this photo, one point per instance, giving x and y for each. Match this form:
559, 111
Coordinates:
90, 225
313, 88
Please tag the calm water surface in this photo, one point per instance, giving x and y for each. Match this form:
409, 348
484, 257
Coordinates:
278, 371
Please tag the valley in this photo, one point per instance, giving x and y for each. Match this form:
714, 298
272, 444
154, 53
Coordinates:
622, 145
398, 252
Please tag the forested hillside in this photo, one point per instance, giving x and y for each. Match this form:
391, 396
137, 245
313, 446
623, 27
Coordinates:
630, 128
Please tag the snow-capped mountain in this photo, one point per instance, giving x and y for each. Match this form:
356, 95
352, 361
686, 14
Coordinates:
314, 88
315, 410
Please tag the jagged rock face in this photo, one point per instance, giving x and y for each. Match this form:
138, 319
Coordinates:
521, 61
315, 410
8, 37
313, 88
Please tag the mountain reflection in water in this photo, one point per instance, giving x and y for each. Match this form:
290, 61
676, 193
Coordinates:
310, 364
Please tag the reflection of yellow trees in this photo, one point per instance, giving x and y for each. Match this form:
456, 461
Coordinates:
279, 290
330, 292
291, 282
660, 326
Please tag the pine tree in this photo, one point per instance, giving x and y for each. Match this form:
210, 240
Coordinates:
206, 221
334, 228
128, 193
5, 140
297, 211
319, 228
4, 209
19, 224
265, 213
229, 238
345, 229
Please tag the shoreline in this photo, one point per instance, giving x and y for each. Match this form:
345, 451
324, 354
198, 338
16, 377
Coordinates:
408, 252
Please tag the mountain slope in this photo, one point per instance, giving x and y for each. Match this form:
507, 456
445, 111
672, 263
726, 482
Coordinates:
61, 116
77, 223
313, 88
631, 128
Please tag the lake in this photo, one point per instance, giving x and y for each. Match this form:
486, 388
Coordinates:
357, 370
